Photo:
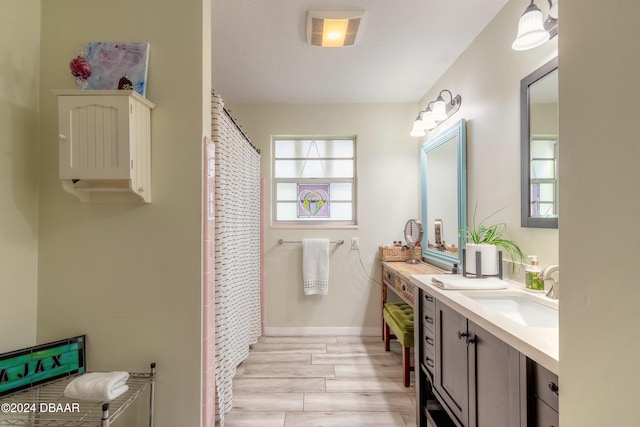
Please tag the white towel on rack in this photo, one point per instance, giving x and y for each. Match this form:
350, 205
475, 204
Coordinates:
98, 386
315, 266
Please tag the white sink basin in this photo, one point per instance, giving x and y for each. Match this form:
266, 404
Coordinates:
525, 309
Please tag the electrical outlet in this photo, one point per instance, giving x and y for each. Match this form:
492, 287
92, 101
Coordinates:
355, 244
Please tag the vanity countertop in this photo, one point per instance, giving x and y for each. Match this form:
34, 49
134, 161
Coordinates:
539, 344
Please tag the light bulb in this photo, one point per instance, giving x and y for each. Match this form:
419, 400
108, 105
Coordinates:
531, 32
439, 110
427, 120
417, 130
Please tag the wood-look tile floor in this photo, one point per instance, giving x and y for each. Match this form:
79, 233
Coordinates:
322, 381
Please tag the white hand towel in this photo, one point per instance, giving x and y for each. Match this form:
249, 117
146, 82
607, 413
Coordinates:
452, 281
98, 386
315, 266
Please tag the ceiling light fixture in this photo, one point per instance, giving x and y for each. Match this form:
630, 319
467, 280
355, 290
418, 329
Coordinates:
430, 118
533, 29
333, 28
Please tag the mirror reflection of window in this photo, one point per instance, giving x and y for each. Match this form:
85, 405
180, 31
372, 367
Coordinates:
544, 177
543, 154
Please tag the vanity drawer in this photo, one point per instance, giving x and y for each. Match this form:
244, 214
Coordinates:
428, 302
428, 353
429, 362
428, 323
428, 346
404, 288
546, 386
387, 276
545, 415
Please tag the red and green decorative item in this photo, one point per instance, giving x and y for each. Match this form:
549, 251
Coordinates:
81, 70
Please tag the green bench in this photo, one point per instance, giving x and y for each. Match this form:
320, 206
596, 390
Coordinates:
398, 318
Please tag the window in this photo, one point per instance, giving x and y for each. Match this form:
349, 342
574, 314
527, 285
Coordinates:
314, 181
544, 181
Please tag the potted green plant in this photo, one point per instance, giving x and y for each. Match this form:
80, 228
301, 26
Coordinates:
488, 239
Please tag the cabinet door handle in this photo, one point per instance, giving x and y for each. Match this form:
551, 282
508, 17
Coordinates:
467, 338
554, 389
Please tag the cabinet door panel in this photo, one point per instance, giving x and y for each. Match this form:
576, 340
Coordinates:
494, 398
545, 385
452, 376
545, 415
94, 137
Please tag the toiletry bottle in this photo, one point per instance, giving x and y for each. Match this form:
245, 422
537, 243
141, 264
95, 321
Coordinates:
533, 281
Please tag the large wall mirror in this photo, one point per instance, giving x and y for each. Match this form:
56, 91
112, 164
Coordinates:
443, 167
539, 146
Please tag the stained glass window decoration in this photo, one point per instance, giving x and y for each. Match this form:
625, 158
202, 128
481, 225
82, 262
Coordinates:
313, 200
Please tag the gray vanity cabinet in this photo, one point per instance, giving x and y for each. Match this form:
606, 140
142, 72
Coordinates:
494, 398
542, 386
476, 375
451, 377
468, 377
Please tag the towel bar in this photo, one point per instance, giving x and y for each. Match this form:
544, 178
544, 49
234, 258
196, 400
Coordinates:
337, 242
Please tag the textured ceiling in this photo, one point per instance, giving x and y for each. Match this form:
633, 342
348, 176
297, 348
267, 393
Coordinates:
260, 53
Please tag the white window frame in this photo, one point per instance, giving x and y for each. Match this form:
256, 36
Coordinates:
315, 223
554, 180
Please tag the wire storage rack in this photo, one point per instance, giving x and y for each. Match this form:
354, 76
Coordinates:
46, 405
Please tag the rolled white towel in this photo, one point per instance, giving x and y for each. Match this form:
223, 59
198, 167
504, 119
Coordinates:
98, 386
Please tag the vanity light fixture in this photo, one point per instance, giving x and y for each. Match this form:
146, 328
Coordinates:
430, 118
333, 28
533, 30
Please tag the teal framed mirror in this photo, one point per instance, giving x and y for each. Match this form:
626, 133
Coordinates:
443, 178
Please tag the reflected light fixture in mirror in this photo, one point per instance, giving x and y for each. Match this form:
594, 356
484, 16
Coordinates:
430, 118
533, 30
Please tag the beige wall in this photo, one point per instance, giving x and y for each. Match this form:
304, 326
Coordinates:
599, 177
387, 171
19, 62
129, 275
546, 119
487, 76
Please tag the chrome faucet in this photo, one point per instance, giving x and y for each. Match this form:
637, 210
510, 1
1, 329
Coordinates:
554, 290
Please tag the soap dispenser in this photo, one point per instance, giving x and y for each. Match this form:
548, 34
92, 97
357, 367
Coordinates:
533, 281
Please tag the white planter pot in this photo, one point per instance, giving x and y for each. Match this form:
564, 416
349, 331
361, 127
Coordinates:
489, 258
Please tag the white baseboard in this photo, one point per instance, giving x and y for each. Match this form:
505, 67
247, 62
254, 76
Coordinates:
321, 331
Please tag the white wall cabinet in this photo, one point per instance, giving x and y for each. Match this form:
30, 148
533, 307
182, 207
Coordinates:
105, 145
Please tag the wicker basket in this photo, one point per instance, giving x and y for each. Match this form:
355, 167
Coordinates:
399, 253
